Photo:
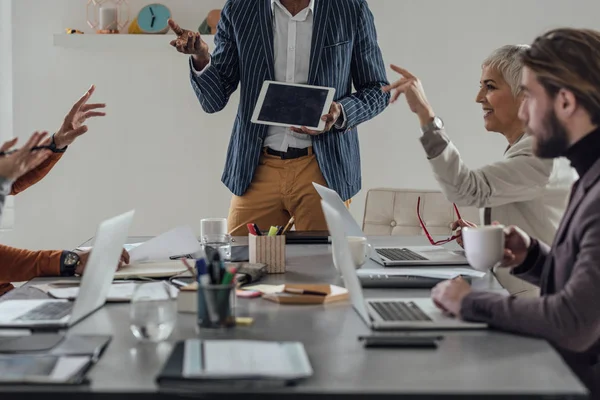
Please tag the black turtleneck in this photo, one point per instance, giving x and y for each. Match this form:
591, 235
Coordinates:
585, 152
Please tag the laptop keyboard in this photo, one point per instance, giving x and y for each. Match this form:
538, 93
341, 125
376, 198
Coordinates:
399, 311
48, 312
400, 255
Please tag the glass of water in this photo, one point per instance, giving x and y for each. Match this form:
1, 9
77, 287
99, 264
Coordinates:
219, 242
153, 312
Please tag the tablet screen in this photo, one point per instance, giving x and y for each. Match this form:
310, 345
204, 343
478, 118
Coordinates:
294, 105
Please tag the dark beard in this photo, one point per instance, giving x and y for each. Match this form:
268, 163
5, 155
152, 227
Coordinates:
553, 142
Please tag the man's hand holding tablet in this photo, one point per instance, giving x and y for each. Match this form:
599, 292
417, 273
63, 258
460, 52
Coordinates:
335, 111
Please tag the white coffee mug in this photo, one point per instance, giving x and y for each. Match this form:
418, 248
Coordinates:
213, 226
359, 250
484, 246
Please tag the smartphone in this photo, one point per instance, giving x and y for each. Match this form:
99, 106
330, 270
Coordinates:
427, 342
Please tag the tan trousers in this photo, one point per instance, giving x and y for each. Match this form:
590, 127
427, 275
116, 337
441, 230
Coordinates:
279, 190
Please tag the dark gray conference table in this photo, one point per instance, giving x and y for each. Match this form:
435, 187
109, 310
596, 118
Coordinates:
475, 363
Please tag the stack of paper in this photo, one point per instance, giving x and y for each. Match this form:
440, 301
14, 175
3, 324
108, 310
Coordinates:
176, 242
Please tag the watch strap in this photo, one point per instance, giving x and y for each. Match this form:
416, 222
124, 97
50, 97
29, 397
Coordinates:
53, 147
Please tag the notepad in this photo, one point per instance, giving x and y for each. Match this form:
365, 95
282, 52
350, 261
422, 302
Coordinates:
165, 269
245, 359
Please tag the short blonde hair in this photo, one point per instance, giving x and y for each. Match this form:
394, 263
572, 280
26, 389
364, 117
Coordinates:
508, 61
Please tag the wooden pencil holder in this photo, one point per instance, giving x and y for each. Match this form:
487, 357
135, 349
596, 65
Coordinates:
268, 250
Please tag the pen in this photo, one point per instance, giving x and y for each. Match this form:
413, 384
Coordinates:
189, 268
304, 291
251, 229
258, 232
204, 281
288, 226
228, 278
273, 231
200, 265
279, 230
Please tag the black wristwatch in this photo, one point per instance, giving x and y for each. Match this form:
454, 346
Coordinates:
69, 261
53, 147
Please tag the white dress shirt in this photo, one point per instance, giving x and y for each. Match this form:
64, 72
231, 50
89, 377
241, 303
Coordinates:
292, 41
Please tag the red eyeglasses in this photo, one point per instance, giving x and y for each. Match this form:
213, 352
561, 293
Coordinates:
433, 242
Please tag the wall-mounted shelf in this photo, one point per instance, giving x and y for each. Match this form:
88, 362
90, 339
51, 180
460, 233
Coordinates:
121, 42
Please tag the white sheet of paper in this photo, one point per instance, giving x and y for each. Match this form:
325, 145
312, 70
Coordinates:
175, 242
265, 289
440, 273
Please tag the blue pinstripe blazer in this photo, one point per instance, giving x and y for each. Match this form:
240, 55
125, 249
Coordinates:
344, 52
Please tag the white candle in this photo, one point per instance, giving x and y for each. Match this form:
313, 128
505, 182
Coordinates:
108, 18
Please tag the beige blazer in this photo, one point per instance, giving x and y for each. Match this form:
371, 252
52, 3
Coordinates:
521, 190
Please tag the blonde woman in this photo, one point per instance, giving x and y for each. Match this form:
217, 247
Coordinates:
521, 189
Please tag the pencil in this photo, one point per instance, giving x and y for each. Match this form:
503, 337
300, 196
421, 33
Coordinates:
190, 268
288, 226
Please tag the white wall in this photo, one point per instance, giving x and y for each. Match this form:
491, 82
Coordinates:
158, 152
6, 111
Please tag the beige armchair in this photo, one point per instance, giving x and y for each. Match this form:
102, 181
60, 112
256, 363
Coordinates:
393, 212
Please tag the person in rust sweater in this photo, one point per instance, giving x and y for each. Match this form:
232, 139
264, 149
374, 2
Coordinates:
25, 167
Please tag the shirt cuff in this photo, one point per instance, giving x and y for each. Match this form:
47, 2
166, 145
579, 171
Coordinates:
341, 122
196, 72
532, 256
434, 142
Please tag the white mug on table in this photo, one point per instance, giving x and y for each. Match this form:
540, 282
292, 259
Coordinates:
484, 246
359, 250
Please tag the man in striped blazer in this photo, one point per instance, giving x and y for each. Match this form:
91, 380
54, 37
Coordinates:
270, 169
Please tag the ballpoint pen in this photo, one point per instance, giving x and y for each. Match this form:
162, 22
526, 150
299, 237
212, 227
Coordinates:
304, 291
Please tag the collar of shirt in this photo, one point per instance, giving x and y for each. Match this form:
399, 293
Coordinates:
311, 5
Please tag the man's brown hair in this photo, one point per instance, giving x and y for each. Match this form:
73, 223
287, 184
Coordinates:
569, 58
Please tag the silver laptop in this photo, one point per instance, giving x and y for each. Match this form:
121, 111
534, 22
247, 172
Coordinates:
393, 256
385, 314
95, 284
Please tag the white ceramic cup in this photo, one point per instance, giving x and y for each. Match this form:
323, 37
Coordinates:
213, 226
484, 246
359, 250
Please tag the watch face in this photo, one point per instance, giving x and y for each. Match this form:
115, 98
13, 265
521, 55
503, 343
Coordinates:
438, 123
71, 259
